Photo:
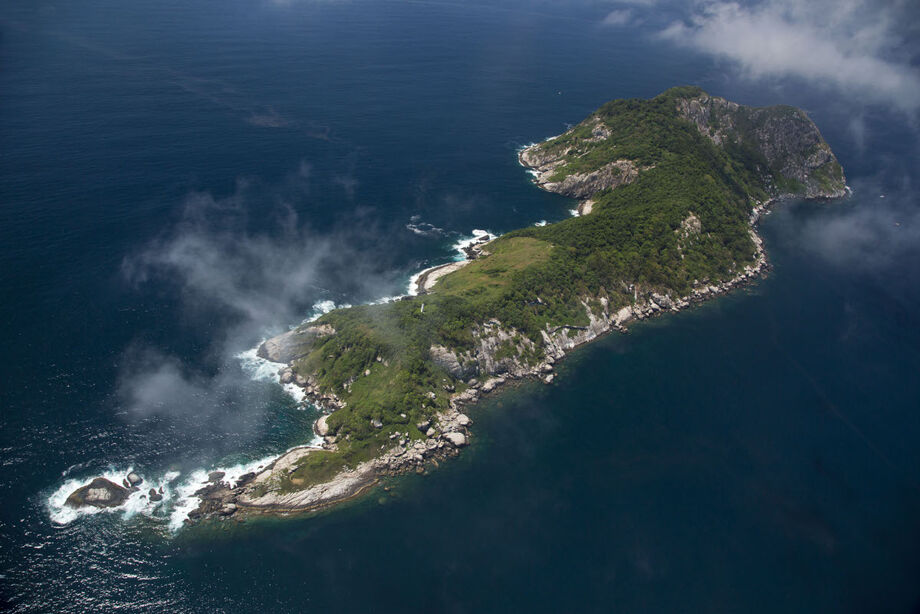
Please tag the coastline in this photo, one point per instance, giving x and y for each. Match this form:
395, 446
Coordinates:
557, 343
500, 354
399, 459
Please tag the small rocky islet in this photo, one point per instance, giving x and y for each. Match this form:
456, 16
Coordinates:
671, 190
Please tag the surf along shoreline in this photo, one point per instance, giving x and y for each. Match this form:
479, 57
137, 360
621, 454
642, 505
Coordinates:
277, 489
350, 484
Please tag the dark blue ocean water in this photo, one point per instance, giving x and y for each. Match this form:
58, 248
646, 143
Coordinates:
180, 179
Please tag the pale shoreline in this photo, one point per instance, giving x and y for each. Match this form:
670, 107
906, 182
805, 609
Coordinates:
426, 280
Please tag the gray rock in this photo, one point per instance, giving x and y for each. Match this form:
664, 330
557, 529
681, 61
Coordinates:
216, 476
457, 439
134, 479
430, 432
154, 495
293, 344
98, 493
320, 426
449, 361
463, 420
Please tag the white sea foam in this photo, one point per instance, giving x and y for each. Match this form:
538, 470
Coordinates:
137, 502
540, 223
185, 499
574, 212
413, 282
477, 237
178, 494
261, 369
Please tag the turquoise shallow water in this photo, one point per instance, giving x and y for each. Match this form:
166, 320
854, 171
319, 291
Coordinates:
180, 179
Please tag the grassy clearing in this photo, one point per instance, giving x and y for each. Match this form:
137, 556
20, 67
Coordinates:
489, 275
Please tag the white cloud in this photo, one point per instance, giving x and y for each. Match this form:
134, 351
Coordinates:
850, 45
617, 17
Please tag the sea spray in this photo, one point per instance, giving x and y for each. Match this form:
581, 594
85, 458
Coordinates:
137, 502
186, 500
262, 369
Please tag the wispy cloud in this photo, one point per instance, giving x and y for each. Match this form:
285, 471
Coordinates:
859, 48
246, 265
880, 228
618, 17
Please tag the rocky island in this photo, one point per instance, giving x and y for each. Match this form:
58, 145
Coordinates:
671, 189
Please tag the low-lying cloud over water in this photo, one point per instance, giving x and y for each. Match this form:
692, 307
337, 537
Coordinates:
859, 48
246, 266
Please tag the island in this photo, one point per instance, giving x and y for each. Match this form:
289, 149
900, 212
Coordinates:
670, 192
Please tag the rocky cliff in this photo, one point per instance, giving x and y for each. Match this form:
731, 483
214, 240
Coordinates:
792, 156
781, 144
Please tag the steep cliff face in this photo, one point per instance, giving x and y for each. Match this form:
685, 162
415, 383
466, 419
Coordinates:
779, 144
791, 155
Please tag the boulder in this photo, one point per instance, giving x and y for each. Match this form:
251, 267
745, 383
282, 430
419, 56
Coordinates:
463, 420
293, 344
320, 426
430, 432
154, 495
134, 479
98, 493
216, 476
457, 439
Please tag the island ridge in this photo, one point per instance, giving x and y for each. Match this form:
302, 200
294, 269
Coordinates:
671, 189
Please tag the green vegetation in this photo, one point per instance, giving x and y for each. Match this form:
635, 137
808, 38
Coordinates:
638, 239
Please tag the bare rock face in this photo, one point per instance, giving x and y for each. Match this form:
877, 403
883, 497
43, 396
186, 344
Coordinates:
320, 426
577, 185
99, 493
584, 185
456, 439
293, 344
450, 362
798, 160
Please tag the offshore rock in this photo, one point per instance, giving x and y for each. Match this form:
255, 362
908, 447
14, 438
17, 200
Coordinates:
99, 493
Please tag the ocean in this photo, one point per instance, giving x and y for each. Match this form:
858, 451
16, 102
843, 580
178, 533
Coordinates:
180, 180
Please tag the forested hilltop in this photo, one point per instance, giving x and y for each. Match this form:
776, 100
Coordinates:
671, 188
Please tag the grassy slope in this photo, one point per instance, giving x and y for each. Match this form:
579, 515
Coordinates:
631, 240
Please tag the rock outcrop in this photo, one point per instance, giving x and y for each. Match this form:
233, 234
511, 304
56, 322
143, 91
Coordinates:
99, 493
792, 157
293, 344
797, 160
